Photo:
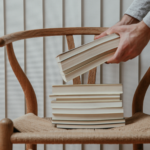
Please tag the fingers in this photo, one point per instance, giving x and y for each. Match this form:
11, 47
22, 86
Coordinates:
114, 29
101, 35
129, 58
111, 60
115, 59
120, 52
119, 55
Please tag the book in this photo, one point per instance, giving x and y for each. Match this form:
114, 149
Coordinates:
87, 117
89, 55
82, 59
87, 111
85, 47
83, 69
86, 104
75, 66
84, 96
87, 89
99, 126
91, 122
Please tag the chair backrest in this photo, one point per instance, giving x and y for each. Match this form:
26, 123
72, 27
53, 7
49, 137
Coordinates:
31, 101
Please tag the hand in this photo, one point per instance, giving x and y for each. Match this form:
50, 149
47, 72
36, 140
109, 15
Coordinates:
126, 20
133, 39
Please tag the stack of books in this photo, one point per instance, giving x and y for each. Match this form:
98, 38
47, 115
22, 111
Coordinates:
87, 106
86, 57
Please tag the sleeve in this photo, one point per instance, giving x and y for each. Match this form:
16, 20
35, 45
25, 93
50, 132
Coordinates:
138, 9
146, 19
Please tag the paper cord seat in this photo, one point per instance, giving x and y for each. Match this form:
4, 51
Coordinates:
34, 129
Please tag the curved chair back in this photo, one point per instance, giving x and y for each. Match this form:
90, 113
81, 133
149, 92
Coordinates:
7, 40
31, 102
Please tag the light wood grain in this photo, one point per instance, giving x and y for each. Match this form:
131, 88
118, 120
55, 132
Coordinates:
6, 130
92, 75
49, 32
137, 104
31, 146
71, 45
137, 146
30, 96
138, 99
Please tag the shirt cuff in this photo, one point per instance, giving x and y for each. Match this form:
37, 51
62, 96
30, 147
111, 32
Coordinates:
146, 19
138, 9
134, 14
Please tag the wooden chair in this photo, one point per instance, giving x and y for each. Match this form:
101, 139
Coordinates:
136, 131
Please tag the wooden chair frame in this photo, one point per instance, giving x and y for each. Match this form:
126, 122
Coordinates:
6, 125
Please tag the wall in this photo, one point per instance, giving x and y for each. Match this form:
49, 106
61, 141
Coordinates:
37, 56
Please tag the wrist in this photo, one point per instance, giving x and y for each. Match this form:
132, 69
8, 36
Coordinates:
144, 28
127, 20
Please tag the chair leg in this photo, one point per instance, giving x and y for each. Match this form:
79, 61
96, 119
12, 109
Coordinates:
6, 130
137, 146
31, 146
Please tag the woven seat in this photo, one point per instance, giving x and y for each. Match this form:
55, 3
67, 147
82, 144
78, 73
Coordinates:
33, 130
40, 130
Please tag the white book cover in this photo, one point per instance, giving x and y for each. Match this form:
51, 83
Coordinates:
92, 122
101, 126
85, 104
87, 111
85, 47
87, 89
85, 68
87, 117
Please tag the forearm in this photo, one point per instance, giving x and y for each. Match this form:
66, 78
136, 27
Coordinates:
127, 20
138, 9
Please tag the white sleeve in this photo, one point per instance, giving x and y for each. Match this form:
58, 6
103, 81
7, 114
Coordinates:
147, 19
138, 9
